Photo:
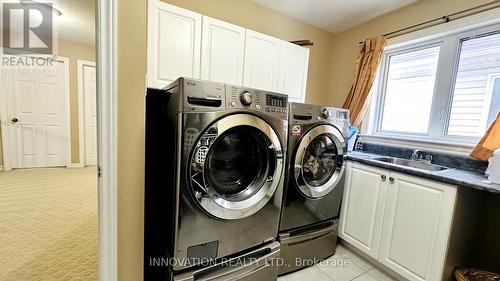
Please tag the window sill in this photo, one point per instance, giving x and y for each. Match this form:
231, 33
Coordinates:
432, 145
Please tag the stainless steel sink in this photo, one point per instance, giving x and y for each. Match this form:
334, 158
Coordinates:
417, 164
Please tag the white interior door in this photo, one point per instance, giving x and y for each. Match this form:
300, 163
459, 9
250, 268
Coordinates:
89, 85
38, 116
222, 51
262, 54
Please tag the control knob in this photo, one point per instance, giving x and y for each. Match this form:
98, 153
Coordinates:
325, 114
246, 98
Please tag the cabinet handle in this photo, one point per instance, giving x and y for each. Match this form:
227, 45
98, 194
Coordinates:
391, 179
383, 177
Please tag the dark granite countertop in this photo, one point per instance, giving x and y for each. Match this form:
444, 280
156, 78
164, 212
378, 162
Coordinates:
453, 176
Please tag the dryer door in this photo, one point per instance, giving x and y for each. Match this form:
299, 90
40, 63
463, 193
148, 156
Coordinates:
236, 166
319, 161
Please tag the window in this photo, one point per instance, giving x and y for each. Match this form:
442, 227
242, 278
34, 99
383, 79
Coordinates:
409, 91
447, 89
476, 81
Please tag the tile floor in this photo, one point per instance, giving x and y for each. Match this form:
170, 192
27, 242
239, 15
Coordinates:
343, 266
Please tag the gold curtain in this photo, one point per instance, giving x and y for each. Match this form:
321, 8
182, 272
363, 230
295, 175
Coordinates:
369, 57
489, 142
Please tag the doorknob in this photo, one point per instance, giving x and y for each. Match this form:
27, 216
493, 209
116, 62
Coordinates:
15, 120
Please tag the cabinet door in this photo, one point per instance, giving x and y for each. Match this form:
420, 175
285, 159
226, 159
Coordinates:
294, 61
261, 61
222, 51
363, 207
174, 43
416, 227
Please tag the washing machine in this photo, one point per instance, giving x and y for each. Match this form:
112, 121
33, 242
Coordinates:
317, 144
215, 171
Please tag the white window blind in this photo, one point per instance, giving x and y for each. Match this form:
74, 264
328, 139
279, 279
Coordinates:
474, 92
409, 90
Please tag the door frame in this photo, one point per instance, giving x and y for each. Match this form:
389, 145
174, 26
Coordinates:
106, 70
9, 144
82, 138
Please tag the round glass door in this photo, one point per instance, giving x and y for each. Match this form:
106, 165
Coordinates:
238, 162
236, 166
319, 161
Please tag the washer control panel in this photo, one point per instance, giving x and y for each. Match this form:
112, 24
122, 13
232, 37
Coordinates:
307, 113
263, 101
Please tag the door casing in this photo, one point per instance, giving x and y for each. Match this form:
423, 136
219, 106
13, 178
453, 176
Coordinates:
82, 134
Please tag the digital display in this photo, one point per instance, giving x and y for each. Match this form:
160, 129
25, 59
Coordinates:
275, 101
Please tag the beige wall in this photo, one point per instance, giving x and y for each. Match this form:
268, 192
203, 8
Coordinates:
327, 85
131, 84
345, 45
131, 88
73, 51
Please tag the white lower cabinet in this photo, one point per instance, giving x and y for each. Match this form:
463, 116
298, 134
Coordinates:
402, 221
363, 207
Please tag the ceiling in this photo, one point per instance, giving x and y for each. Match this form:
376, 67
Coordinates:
334, 15
77, 22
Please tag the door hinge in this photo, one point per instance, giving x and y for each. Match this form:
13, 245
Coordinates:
98, 172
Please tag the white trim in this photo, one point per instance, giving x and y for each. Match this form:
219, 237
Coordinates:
107, 140
3, 119
82, 141
1, 169
75, 165
7, 143
67, 108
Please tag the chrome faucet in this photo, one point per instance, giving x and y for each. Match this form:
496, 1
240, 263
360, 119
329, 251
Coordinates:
418, 155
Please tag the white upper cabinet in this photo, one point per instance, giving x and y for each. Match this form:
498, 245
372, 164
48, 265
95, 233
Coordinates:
182, 43
174, 42
222, 51
294, 62
262, 53
416, 227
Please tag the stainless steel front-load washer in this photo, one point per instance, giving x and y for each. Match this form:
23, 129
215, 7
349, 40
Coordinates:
215, 164
314, 186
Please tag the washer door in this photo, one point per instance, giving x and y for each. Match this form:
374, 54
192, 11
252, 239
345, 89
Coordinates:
236, 166
319, 161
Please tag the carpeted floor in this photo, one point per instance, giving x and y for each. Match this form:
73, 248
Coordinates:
48, 225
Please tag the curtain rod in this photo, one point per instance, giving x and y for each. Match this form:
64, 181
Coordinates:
444, 19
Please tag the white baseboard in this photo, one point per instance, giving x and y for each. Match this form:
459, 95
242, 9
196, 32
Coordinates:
1, 168
75, 165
